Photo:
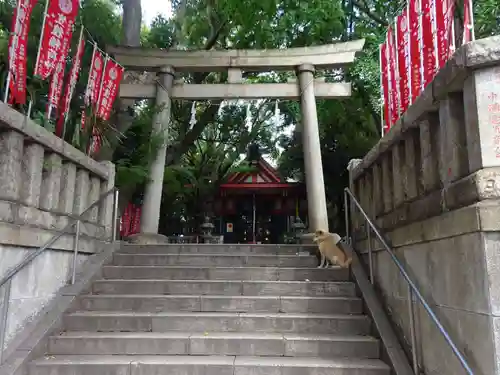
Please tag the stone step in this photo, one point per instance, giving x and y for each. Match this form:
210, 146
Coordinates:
214, 260
103, 321
225, 287
217, 303
218, 249
204, 365
226, 273
215, 343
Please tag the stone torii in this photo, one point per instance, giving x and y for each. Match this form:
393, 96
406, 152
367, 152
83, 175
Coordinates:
150, 74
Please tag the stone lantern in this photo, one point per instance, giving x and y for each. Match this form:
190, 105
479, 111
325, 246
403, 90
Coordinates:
207, 227
298, 228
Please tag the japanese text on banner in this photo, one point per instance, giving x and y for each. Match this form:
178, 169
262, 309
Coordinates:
57, 79
384, 73
111, 79
95, 75
429, 66
403, 50
444, 30
18, 45
95, 142
56, 84
56, 37
415, 48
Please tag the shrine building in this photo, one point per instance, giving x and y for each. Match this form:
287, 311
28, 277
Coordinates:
258, 206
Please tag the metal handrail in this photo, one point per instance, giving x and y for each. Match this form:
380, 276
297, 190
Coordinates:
7, 279
412, 287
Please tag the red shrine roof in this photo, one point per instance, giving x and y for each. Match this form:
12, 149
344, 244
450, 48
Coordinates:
265, 177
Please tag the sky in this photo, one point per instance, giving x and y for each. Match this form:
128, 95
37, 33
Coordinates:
150, 9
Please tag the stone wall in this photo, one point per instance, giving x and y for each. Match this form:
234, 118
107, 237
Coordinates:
44, 182
433, 186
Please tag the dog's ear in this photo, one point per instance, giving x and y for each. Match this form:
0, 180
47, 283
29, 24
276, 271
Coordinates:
319, 232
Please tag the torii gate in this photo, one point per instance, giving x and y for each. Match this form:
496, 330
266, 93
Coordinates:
158, 82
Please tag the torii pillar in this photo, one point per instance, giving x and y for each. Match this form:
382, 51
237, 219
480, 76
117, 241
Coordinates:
150, 219
311, 147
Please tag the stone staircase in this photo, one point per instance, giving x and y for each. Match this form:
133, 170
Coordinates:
218, 310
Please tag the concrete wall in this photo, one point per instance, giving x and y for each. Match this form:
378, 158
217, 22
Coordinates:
44, 182
433, 186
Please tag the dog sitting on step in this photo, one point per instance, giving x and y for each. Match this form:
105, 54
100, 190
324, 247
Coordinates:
329, 249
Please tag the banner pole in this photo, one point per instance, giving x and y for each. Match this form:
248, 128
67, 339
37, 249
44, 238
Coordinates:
409, 62
86, 98
453, 44
471, 16
381, 92
421, 45
390, 98
396, 68
434, 35
38, 54
41, 35
12, 48
101, 83
72, 87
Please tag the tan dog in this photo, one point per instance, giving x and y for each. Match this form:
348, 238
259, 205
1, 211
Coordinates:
327, 244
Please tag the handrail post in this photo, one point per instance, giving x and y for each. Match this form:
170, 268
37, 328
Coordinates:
114, 224
346, 215
370, 252
412, 331
75, 251
4, 317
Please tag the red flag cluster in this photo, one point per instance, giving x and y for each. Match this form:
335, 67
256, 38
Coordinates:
55, 40
102, 87
418, 44
130, 222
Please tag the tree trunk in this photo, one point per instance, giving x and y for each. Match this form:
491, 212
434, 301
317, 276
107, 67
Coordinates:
131, 23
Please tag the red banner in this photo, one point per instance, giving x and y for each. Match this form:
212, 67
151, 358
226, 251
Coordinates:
95, 75
415, 48
18, 45
125, 222
135, 226
110, 84
56, 35
403, 51
56, 85
94, 142
444, 30
468, 22
429, 63
70, 85
84, 118
94, 81
393, 76
384, 80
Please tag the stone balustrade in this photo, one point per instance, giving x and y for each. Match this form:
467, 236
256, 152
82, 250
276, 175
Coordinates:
44, 183
432, 184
